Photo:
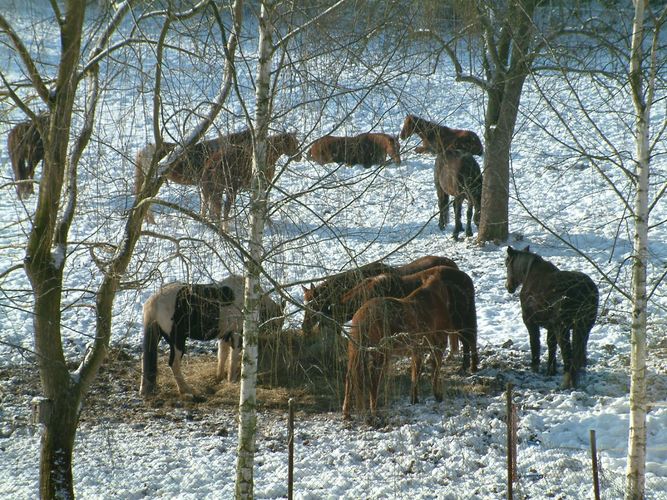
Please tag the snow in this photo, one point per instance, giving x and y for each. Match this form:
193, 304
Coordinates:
449, 450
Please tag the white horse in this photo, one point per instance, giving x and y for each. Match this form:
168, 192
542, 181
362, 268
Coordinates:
201, 312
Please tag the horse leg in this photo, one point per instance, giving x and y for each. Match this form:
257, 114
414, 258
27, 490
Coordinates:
443, 206
436, 362
458, 206
224, 363
552, 343
376, 367
229, 201
453, 340
469, 220
149, 360
234, 373
414, 378
534, 334
569, 377
183, 388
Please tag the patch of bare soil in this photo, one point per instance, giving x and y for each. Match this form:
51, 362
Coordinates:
314, 382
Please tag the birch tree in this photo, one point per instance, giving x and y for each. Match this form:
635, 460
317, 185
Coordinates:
642, 88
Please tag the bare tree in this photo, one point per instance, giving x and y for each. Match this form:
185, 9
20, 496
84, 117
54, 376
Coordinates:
47, 250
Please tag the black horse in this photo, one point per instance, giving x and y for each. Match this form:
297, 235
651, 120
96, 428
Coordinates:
458, 174
560, 301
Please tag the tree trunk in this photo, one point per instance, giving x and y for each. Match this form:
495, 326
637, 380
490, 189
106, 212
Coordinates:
258, 213
509, 73
636, 460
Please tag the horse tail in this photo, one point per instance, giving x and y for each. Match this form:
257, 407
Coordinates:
152, 335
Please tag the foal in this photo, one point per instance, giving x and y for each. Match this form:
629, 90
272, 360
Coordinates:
439, 138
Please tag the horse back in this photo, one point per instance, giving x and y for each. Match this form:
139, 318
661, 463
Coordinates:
423, 263
550, 294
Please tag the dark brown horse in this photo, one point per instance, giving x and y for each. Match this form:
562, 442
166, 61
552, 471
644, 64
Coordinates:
458, 174
439, 138
363, 149
26, 150
187, 169
228, 171
560, 301
393, 284
417, 324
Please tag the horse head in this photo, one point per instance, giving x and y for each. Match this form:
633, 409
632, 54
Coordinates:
395, 149
517, 267
408, 126
471, 143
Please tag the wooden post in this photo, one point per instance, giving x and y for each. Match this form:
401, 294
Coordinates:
594, 460
290, 450
510, 451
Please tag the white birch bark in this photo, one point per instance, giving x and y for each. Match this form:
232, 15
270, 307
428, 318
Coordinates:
636, 459
258, 212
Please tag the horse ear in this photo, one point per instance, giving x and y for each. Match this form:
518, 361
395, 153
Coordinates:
510, 250
527, 249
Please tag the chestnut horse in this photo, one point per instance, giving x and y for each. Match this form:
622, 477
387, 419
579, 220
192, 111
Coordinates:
392, 284
363, 149
228, 171
26, 150
201, 312
417, 324
458, 174
324, 299
439, 138
560, 301
187, 169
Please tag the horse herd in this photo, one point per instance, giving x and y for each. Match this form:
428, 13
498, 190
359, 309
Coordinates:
222, 167
422, 307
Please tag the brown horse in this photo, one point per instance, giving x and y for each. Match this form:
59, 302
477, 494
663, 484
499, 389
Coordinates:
560, 301
324, 299
394, 284
321, 298
228, 171
363, 149
26, 150
458, 174
439, 138
414, 325
187, 169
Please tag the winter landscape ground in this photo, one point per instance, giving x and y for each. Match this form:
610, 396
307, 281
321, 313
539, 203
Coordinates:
561, 206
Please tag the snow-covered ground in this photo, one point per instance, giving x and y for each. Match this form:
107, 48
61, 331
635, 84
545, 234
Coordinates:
453, 449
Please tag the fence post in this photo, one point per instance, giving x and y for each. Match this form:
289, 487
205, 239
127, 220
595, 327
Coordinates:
594, 460
510, 447
290, 449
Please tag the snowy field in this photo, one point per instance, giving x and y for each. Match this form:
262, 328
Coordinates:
450, 450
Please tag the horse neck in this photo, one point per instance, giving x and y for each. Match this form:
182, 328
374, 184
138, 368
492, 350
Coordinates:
538, 267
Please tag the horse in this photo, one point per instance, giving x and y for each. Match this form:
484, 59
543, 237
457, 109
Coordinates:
394, 284
228, 171
439, 138
26, 150
560, 301
201, 312
324, 299
364, 149
188, 167
458, 174
416, 324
